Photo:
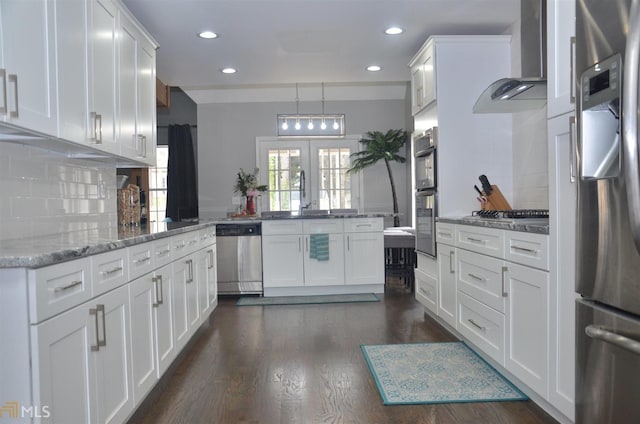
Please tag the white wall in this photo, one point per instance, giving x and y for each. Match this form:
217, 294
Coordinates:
43, 193
226, 143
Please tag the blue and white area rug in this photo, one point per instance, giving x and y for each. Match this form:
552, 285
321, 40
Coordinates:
307, 300
420, 373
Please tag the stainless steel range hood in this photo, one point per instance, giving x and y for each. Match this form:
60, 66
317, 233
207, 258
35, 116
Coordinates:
508, 95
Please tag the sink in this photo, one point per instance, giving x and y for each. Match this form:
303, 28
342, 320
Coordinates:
348, 211
276, 214
315, 212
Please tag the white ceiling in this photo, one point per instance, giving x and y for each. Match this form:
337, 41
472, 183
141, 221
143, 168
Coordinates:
277, 43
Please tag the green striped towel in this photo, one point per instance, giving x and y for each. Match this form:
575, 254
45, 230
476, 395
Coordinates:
319, 247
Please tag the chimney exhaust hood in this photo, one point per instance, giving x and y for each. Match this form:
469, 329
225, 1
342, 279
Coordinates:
509, 95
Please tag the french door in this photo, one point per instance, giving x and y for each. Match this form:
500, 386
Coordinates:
308, 173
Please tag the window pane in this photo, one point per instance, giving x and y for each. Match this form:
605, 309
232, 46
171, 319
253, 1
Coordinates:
284, 179
334, 184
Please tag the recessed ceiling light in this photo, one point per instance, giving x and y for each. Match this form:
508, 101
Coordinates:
393, 31
374, 68
229, 70
208, 35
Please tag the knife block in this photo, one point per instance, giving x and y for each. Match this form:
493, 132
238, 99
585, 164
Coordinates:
495, 201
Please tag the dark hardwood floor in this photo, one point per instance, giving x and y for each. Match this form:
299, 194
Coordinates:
303, 364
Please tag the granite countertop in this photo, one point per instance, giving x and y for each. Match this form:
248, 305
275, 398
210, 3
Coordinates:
527, 225
37, 252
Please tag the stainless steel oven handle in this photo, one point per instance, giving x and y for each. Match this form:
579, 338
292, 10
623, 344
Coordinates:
572, 70
600, 333
572, 149
630, 121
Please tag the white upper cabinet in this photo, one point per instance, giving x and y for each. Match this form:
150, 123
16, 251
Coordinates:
423, 78
561, 27
102, 90
28, 74
136, 104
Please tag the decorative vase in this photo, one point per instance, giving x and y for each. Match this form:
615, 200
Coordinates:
251, 205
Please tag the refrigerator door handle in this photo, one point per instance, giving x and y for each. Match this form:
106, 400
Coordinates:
630, 120
600, 333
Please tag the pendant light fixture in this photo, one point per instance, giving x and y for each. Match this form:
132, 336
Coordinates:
316, 124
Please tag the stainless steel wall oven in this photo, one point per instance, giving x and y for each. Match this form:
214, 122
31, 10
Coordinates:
426, 201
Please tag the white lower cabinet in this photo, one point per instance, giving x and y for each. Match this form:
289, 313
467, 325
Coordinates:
447, 284
282, 260
528, 325
94, 357
355, 256
152, 342
83, 364
502, 294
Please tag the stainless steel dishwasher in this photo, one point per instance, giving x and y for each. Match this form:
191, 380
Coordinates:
239, 252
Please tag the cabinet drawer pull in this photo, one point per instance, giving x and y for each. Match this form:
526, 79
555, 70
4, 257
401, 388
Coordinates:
445, 235
180, 246
3, 75
111, 271
13, 78
475, 277
425, 292
192, 242
478, 326
163, 252
142, 260
475, 240
525, 249
68, 286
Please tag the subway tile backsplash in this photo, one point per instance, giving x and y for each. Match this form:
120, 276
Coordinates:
44, 193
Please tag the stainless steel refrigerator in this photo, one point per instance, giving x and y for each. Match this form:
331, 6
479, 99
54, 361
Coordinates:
608, 229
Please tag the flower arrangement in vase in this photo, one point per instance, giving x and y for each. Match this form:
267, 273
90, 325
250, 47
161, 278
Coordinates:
247, 185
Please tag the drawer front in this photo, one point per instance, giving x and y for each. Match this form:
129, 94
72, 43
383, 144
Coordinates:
488, 241
363, 225
482, 326
207, 236
109, 270
427, 290
446, 233
527, 249
318, 226
282, 227
482, 278
184, 244
56, 288
162, 252
140, 260
192, 241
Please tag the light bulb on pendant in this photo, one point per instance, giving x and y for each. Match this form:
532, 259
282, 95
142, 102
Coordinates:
297, 126
323, 126
285, 126
335, 125
310, 125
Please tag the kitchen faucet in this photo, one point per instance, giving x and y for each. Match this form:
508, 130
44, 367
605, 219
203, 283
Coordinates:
303, 191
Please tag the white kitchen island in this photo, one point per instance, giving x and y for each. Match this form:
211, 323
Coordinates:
354, 263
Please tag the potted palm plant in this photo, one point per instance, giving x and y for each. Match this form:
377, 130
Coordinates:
247, 185
386, 147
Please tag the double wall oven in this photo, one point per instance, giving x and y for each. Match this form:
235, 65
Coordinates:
425, 161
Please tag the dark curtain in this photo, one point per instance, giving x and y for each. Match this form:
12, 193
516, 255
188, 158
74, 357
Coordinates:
182, 190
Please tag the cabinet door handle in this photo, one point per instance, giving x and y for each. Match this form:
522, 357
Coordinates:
504, 285
190, 271
572, 70
348, 244
211, 258
161, 301
68, 286
95, 347
103, 342
13, 78
306, 243
3, 75
111, 271
452, 270
144, 146
157, 283
99, 129
475, 324
572, 149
